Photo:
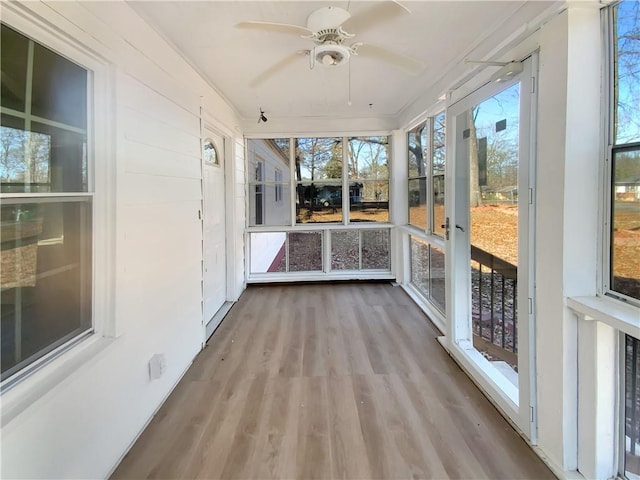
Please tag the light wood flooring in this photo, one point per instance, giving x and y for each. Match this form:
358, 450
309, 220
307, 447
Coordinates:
328, 381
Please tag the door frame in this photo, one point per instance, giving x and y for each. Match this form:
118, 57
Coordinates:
226, 166
517, 404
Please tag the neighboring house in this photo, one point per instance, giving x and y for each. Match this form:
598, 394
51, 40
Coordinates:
628, 188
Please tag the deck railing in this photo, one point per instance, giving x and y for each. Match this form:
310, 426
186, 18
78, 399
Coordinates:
494, 285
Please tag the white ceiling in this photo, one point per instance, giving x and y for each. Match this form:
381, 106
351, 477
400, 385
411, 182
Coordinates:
440, 33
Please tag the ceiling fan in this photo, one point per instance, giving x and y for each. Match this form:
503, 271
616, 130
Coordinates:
328, 28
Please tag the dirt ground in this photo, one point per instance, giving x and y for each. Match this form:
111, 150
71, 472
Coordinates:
494, 229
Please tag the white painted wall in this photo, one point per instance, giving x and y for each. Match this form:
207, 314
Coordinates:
568, 163
264, 249
76, 417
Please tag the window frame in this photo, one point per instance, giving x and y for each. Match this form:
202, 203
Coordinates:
45, 372
429, 124
326, 229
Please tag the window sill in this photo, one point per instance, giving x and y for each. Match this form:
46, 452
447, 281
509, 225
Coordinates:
35, 386
614, 313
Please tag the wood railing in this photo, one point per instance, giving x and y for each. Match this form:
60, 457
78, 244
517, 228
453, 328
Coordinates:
494, 285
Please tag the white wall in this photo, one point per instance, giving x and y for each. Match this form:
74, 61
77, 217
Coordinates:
265, 246
567, 216
78, 415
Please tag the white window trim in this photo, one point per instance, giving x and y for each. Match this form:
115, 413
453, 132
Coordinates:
23, 389
612, 312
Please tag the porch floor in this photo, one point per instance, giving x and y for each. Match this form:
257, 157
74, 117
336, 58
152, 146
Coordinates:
328, 381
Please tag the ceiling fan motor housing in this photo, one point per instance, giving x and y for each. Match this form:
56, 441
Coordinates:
327, 18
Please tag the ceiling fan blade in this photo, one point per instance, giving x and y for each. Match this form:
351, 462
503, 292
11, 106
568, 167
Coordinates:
275, 68
374, 15
275, 27
410, 64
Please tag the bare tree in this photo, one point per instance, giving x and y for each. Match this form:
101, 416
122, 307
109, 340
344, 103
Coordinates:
12, 143
627, 72
475, 197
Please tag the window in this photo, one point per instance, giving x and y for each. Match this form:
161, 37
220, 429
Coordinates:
369, 179
418, 154
268, 173
427, 271
426, 154
210, 153
624, 244
315, 233
318, 175
437, 173
46, 211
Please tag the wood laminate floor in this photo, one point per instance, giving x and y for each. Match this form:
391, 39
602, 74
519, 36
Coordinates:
328, 381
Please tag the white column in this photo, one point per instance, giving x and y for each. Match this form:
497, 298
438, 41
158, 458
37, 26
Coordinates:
398, 201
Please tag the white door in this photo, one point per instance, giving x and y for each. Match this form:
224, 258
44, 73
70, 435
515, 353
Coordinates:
213, 224
490, 242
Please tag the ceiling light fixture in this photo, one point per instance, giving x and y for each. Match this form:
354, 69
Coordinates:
330, 55
261, 117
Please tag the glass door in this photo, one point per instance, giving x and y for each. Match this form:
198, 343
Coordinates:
489, 250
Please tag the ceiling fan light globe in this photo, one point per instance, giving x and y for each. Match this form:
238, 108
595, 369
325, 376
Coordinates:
331, 55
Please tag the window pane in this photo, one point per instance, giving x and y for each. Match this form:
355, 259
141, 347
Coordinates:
420, 265
59, 89
268, 252
305, 251
45, 159
345, 250
436, 277
627, 74
369, 158
210, 153
45, 278
417, 144
632, 407
268, 162
625, 243
267, 156
269, 204
418, 202
318, 159
369, 201
319, 203
14, 68
438, 164
375, 249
